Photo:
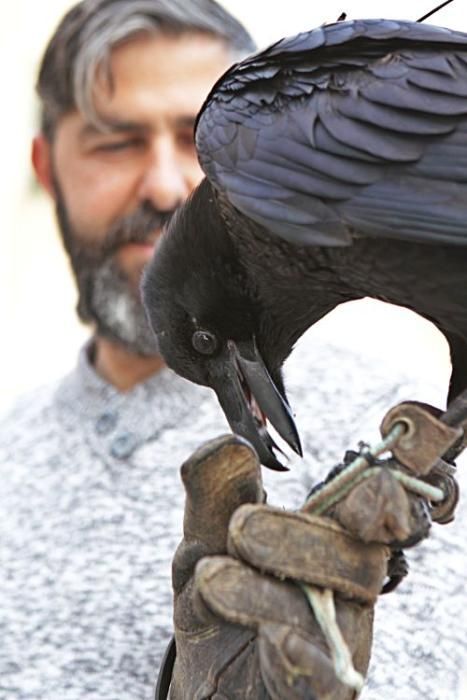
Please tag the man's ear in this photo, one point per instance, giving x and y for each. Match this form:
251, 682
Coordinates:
41, 156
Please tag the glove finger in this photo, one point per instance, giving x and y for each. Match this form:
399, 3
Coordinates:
295, 667
243, 596
293, 652
218, 477
308, 548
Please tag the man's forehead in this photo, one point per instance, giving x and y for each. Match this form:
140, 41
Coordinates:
154, 82
172, 51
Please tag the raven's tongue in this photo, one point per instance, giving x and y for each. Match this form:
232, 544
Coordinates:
264, 398
257, 413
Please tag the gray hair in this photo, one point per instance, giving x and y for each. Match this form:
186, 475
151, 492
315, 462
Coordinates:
82, 44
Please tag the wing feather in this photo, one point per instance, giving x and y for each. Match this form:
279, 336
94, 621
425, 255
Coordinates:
353, 129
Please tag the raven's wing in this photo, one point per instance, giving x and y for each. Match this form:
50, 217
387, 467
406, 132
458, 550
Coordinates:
355, 128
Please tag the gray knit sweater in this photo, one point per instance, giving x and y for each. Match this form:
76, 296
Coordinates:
91, 512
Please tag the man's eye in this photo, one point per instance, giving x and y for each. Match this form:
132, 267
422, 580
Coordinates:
115, 146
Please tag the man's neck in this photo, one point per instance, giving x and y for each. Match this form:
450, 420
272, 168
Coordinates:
122, 368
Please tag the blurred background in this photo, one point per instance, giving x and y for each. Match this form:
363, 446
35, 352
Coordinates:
39, 332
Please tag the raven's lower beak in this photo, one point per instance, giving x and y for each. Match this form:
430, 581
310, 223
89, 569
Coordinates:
248, 395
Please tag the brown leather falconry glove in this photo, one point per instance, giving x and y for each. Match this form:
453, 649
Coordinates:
244, 628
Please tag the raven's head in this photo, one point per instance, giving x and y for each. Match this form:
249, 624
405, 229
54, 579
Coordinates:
209, 324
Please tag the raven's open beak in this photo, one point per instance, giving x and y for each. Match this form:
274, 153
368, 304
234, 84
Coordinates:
248, 396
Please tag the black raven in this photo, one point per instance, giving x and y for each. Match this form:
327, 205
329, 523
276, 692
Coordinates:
336, 166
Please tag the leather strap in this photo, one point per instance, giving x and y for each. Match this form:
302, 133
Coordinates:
165, 672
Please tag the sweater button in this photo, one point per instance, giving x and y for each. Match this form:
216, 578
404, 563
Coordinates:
123, 446
106, 423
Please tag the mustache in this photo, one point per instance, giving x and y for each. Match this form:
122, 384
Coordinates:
137, 227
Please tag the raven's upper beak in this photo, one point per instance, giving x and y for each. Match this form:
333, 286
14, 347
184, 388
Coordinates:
248, 395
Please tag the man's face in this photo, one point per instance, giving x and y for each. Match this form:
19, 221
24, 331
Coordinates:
115, 189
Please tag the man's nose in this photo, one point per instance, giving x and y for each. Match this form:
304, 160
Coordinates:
163, 182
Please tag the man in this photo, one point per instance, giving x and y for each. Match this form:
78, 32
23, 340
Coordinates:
91, 506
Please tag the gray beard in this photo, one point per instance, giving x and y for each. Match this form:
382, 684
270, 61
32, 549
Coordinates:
105, 296
118, 315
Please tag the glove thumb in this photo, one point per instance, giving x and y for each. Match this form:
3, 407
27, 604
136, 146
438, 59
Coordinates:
220, 476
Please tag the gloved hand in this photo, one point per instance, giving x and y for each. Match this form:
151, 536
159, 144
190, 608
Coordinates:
244, 630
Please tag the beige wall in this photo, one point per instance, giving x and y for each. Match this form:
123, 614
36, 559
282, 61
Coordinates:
38, 333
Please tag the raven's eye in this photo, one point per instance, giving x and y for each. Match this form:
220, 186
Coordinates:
204, 342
